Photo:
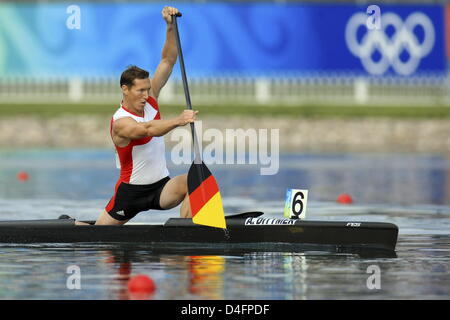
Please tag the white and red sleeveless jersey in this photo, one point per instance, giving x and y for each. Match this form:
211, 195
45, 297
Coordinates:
142, 161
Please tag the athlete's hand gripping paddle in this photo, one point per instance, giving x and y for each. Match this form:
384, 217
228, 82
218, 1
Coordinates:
204, 193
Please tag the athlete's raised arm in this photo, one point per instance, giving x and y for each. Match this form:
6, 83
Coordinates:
168, 57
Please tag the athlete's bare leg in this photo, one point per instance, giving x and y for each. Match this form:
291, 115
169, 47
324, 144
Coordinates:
106, 219
185, 210
174, 192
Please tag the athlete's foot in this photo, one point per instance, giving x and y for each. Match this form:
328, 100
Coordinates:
81, 223
77, 223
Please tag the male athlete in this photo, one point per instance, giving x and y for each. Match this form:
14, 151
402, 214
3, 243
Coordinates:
137, 130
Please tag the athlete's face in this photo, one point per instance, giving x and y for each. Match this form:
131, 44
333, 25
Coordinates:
138, 93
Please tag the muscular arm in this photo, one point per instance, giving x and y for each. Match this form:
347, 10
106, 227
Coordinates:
168, 56
129, 128
126, 129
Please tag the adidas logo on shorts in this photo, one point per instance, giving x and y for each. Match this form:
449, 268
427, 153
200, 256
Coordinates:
121, 213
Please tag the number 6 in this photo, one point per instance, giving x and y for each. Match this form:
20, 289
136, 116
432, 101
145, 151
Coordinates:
295, 202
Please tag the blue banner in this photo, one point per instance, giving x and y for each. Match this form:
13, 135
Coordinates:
220, 39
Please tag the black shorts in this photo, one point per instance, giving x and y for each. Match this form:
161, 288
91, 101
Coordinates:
130, 199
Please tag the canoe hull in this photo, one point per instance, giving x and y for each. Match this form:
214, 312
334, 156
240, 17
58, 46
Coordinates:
250, 231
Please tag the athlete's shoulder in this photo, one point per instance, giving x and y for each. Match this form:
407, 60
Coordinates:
120, 113
123, 112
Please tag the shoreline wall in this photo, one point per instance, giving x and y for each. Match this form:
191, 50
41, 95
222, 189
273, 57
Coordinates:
295, 134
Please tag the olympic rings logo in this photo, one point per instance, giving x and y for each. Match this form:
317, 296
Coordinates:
392, 47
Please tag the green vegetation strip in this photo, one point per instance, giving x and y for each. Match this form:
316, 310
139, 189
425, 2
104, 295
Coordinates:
318, 111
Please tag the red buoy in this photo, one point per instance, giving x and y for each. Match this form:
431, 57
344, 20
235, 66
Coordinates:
141, 284
345, 198
22, 176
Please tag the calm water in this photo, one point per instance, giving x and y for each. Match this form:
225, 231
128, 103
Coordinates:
412, 191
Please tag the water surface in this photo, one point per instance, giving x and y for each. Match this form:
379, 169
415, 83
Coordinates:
409, 190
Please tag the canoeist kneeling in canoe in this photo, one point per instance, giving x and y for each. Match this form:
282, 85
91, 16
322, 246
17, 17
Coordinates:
136, 131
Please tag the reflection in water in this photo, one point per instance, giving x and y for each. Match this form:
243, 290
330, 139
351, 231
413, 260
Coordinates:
298, 267
206, 276
421, 270
257, 275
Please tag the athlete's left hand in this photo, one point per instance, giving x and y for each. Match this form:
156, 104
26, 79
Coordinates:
168, 12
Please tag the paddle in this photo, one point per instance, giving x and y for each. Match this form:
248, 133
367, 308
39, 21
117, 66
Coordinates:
204, 193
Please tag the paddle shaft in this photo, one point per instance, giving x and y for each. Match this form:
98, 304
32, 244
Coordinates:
198, 158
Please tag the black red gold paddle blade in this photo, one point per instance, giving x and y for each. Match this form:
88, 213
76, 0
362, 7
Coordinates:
204, 197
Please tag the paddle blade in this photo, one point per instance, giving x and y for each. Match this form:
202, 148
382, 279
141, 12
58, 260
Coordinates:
204, 197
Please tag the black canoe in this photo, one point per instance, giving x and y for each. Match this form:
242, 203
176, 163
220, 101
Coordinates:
249, 229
